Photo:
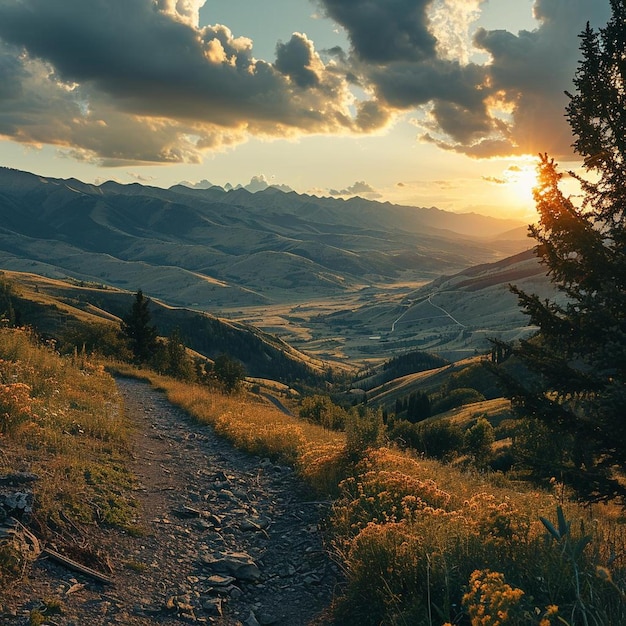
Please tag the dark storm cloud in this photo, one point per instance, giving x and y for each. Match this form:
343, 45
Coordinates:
404, 85
11, 73
295, 59
383, 32
123, 81
512, 105
153, 64
534, 69
115, 65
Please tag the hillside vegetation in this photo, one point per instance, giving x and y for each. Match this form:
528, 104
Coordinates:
420, 541
486, 491
77, 314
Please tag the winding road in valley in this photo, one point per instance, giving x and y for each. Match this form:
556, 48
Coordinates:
436, 306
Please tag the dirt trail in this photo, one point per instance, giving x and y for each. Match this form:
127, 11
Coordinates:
229, 538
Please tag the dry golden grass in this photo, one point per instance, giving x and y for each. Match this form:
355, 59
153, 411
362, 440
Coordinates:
414, 535
249, 423
411, 532
65, 423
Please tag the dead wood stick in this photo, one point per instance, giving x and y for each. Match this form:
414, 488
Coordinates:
83, 569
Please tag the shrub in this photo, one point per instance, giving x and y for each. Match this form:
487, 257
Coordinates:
490, 601
321, 410
104, 339
455, 398
364, 429
440, 439
477, 441
228, 372
404, 434
15, 407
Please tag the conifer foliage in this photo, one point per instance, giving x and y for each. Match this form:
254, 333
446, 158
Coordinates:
137, 328
577, 361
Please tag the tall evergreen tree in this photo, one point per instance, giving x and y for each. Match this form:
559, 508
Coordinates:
577, 362
136, 327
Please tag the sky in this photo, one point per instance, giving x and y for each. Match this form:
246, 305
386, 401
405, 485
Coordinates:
421, 102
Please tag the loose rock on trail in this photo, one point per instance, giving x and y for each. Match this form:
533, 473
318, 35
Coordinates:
229, 539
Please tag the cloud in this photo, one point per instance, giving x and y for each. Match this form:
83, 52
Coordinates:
186, 11
140, 177
122, 82
118, 69
533, 69
451, 22
297, 60
416, 55
495, 180
257, 183
202, 184
384, 32
359, 188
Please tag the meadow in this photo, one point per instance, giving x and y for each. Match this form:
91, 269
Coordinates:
423, 542
419, 541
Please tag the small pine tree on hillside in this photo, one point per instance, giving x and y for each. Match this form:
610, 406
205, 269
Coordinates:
140, 333
577, 362
178, 363
228, 372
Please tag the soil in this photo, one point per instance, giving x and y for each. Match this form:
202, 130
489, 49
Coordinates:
227, 539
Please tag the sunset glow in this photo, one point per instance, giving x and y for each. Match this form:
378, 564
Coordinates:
418, 103
521, 182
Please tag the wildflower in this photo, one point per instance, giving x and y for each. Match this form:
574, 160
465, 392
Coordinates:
490, 601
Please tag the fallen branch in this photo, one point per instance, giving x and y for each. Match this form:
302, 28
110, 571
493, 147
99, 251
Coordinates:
79, 567
14, 529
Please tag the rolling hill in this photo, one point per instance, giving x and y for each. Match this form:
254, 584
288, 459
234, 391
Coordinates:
217, 250
55, 307
453, 316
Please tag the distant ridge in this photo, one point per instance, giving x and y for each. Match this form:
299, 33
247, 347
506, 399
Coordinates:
216, 249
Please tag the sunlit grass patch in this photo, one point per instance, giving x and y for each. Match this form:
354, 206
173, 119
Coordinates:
61, 419
411, 532
251, 425
453, 524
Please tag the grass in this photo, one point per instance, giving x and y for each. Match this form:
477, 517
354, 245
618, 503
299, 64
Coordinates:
423, 542
420, 542
61, 419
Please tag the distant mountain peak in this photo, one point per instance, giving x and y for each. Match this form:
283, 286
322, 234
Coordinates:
256, 185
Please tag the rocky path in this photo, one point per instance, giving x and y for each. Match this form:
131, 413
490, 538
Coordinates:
229, 538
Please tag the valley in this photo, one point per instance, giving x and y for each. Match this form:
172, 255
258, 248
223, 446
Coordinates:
364, 373
351, 281
453, 316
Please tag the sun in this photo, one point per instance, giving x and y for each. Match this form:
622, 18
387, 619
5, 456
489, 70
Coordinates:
520, 181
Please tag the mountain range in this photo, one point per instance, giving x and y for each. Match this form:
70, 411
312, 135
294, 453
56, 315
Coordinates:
217, 249
329, 275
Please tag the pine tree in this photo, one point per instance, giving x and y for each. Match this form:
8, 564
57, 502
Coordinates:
576, 380
136, 327
179, 364
229, 372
